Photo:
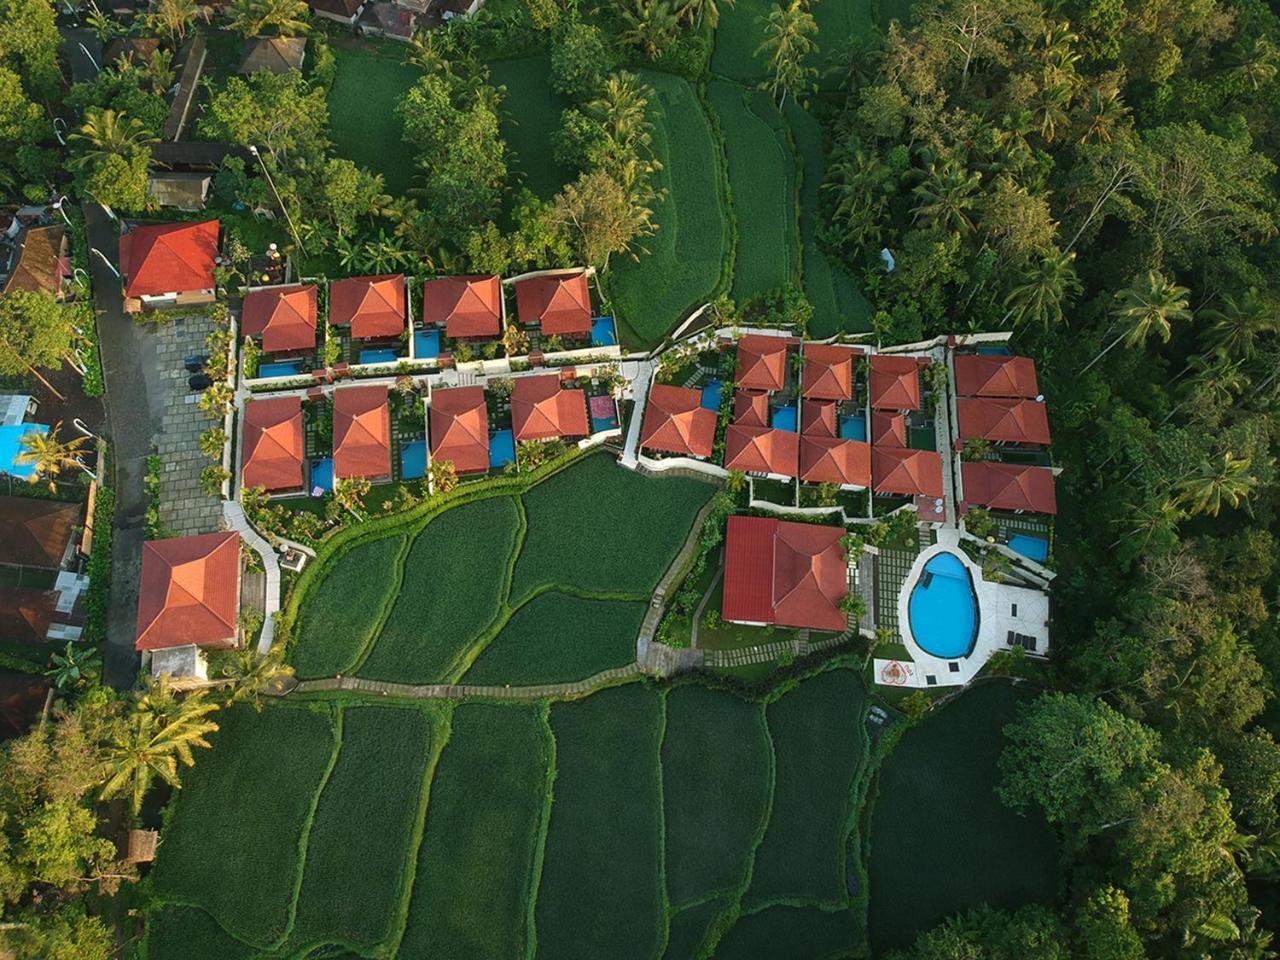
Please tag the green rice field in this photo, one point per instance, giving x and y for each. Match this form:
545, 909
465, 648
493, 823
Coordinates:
362, 120
529, 116
742, 29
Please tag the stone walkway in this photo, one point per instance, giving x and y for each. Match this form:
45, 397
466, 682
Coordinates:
451, 691
769, 652
235, 519
658, 604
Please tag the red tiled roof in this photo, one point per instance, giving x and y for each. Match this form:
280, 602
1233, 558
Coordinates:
460, 428
1009, 486
35, 533
794, 574
540, 410
373, 306
828, 372
169, 258
284, 317
888, 430
895, 383
25, 614
676, 421
22, 699
189, 591
833, 460
762, 362
361, 432
1013, 421
909, 473
751, 408
818, 418
468, 306
273, 444
981, 376
561, 304
762, 450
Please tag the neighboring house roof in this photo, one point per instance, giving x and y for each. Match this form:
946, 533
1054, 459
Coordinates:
828, 372
361, 432
276, 54
338, 9
192, 57
388, 20
35, 533
1012, 421
835, 460
888, 430
180, 189
1009, 486
762, 362
135, 49
169, 258
372, 306
751, 408
41, 262
676, 421
25, 614
22, 699
908, 473
469, 306
460, 428
560, 303
273, 448
189, 591
982, 376
895, 383
206, 155
283, 317
818, 418
540, 410
762, 450
794, 574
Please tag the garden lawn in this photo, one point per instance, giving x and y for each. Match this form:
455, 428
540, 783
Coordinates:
797, 933
189, 933
601, 892
598, 527
362, 119
232, 843
476, 866
454, 577
689, 928
838, 304
528, 118
820, 746
361, 842
558, 638
762, 183
936, 815
343, 610
687, 260
715, 746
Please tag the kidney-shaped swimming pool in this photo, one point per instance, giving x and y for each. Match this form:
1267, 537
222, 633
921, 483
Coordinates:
943, 608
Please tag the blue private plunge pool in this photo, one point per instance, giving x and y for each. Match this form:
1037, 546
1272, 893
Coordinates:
854, 428
1033, 548
413, 459
426, 344
603, 332
379, 355
280, 368
784, 418
943, 608
502, 449
322, 474
711, 395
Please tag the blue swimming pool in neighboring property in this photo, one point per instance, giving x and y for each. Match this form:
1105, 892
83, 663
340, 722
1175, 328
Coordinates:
854, 428
413, 459
322, 474
379, 355
784, 418
711, 395
943, 608
426, 344
502, 449
11, 448
603, 332
1033, 548
997, 351
280, 368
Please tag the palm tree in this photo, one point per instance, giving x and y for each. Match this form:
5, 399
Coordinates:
1258, 63
1102, 113
691, 10
49, 455
649, 26
1159, 518
1236, 327
1222, 480
1217, 379
252, 674
788, 41
249, 18
73, 666
621, 109
1050, 106
736, 482
350, 492
947, 196
444, 476
172, 17
107, 133
158, 734
1149, 306
1042, 290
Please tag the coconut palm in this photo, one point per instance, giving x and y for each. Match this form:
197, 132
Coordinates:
621, 108
49, 455
649, 25
1042, 290
1150, 306
1259, 62
789, 34
1050, 106
947, 196
1101, 114
691, 10
287, 18
1222, 480
172, 17
1236, 327
108, 133
1216, 379
252, 674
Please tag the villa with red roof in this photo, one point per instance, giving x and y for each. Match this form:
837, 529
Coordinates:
541, 410
361, 433
675, 421
273, 451
982, 376
828, 372
751, 408
888, 429
762, 363
169, 264
762, 451
281, 319
906, 473
460, 428
835, 460
1009, 486
895, 382
560, 303
789, 574
818, 418
468, 307
373, 307
189, 592
1002, 420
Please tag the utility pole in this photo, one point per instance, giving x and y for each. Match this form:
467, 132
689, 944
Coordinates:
280, 203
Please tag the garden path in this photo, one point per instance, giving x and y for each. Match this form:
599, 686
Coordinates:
234, 516
453, 691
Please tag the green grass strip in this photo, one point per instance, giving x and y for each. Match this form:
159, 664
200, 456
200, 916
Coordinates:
797, 933
689, 929
190, 933
362, 117
528, 119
